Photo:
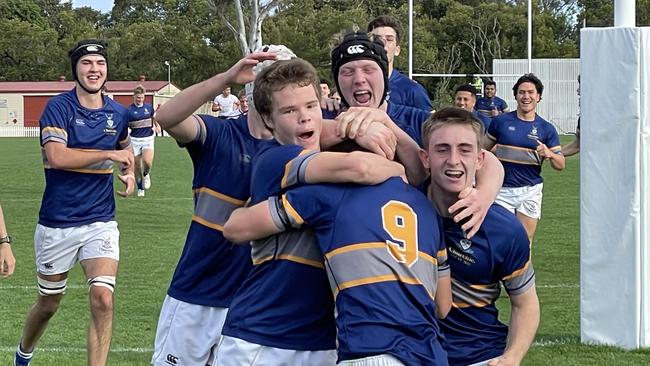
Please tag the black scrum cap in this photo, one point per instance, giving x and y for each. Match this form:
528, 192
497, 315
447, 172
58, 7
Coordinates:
358, 46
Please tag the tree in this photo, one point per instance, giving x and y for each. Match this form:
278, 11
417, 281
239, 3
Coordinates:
257, 13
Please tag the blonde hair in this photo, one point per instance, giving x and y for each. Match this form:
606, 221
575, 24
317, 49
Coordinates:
139, 89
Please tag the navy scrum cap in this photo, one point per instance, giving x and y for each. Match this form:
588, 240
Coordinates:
83, 48
358, 46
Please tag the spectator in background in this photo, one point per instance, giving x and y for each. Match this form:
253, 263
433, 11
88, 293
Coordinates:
573, 147
243, 103
489, 104
336, 96
7, 260
465, 98
324, 89
226, 104
403, 91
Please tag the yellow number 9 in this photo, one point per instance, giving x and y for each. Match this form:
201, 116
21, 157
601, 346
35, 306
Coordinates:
401, 223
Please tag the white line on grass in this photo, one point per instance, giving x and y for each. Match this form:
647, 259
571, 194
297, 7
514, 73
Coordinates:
560, 285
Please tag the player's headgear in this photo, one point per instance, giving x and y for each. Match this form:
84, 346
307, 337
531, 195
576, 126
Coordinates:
83, 48
281, 53
358, 46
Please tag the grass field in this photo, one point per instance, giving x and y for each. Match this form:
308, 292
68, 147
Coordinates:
153, 229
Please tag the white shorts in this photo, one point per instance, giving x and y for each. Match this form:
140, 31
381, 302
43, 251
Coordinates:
58, 249
380, 360
526, 200
187, 334
142, 143
238, 352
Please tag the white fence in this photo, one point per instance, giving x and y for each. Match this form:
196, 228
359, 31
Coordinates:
19, 131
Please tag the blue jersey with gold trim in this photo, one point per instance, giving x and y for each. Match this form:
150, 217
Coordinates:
485, 105
409, 119
75, 197
285, 302
141, 120
498, 253
407, 92
384, 253
516, 147
211, 269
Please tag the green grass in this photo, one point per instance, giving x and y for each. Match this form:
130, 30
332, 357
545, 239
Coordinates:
153, 229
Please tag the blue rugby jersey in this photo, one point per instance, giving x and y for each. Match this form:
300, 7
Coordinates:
211, 269
285, 302
486, 105
407, 92
485, 120
409, 119
498, 253
384, 253
516, 147
140, 120
75, 197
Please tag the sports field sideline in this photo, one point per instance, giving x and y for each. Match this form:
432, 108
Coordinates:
153, 229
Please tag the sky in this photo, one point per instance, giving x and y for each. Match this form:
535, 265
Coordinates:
104, 6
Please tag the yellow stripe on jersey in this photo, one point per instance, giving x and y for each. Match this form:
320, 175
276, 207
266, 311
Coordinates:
517, 272
378, 279
289, 257
220, 196
291, 211
55, 130
287, 169
207, 223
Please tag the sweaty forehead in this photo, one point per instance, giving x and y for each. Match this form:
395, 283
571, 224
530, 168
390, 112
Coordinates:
527, 87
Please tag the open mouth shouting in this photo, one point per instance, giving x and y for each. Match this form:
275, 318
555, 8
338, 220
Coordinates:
362, 97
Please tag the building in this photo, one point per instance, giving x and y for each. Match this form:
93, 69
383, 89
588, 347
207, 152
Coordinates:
22, 102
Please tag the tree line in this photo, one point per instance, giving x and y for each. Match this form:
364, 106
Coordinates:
200, 37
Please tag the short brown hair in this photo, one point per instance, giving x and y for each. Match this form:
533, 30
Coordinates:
451, 116
139, 89
277, 76
386, 21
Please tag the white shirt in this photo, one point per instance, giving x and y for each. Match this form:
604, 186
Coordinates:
227, 105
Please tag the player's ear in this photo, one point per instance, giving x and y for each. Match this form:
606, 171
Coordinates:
480, 159
424, 158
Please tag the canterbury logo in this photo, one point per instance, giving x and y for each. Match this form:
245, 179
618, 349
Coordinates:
355, 49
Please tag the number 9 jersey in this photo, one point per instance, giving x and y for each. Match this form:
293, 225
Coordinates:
384, 253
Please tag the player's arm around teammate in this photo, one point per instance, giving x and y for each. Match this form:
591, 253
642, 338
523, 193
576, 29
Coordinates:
7, 260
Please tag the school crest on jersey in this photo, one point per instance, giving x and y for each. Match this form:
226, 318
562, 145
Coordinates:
533, 133
110, 125
465, 244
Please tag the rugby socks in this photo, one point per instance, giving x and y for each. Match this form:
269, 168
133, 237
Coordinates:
23, 358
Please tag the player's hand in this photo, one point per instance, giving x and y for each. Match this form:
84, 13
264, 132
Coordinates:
471, 206
330, 105
7, 261
543, 151
356, 120
378, 139
494, 112
124, 157
129, 183
503, 361
242, 71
